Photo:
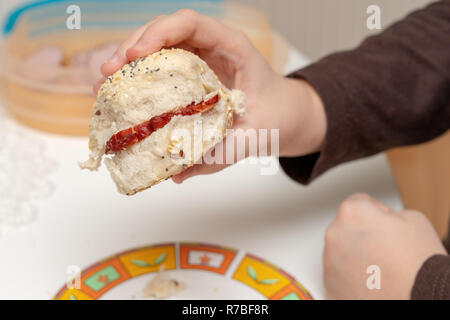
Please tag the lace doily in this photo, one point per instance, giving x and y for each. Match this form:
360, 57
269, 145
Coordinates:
24, 173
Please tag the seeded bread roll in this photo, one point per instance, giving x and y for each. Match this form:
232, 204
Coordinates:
163, 82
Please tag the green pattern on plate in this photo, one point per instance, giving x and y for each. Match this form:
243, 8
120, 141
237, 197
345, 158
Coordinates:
158, 261
291, 296
141, 263
101, 278
252, 273
269, 281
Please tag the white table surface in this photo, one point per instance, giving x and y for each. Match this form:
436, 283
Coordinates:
81, 218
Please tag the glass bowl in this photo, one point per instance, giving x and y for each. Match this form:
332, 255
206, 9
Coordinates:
43, 80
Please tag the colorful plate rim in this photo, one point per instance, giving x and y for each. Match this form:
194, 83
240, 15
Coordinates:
269, 280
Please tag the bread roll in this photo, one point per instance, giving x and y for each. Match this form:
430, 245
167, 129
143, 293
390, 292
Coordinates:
163, 82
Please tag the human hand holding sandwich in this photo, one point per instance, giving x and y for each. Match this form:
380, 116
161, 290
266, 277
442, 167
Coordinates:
362, 104
273, 102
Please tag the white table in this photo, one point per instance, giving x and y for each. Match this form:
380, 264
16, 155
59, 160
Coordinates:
81, 218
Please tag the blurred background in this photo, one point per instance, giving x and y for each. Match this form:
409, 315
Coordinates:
319, 27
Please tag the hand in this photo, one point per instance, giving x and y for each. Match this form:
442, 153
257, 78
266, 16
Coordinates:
273, 102
366, 232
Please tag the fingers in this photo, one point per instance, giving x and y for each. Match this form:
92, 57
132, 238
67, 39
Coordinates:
98, 84
363, 200
360, 207
119, 58
186, 29
210, 164
186, 26
363, 204
232, 149
198, 169
361, 212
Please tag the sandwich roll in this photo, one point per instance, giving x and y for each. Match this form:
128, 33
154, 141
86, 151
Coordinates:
157, 116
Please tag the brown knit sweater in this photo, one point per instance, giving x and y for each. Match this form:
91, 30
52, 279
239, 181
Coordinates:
393, 90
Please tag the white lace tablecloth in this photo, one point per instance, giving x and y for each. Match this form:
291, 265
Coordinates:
53, 215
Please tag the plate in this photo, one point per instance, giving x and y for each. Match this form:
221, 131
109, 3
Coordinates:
208, 271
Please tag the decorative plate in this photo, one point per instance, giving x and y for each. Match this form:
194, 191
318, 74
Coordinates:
208, 271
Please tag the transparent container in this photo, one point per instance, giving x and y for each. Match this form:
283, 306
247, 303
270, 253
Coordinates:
57, 97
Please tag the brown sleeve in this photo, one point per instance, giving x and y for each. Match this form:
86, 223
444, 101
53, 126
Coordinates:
393, 90
433, 280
